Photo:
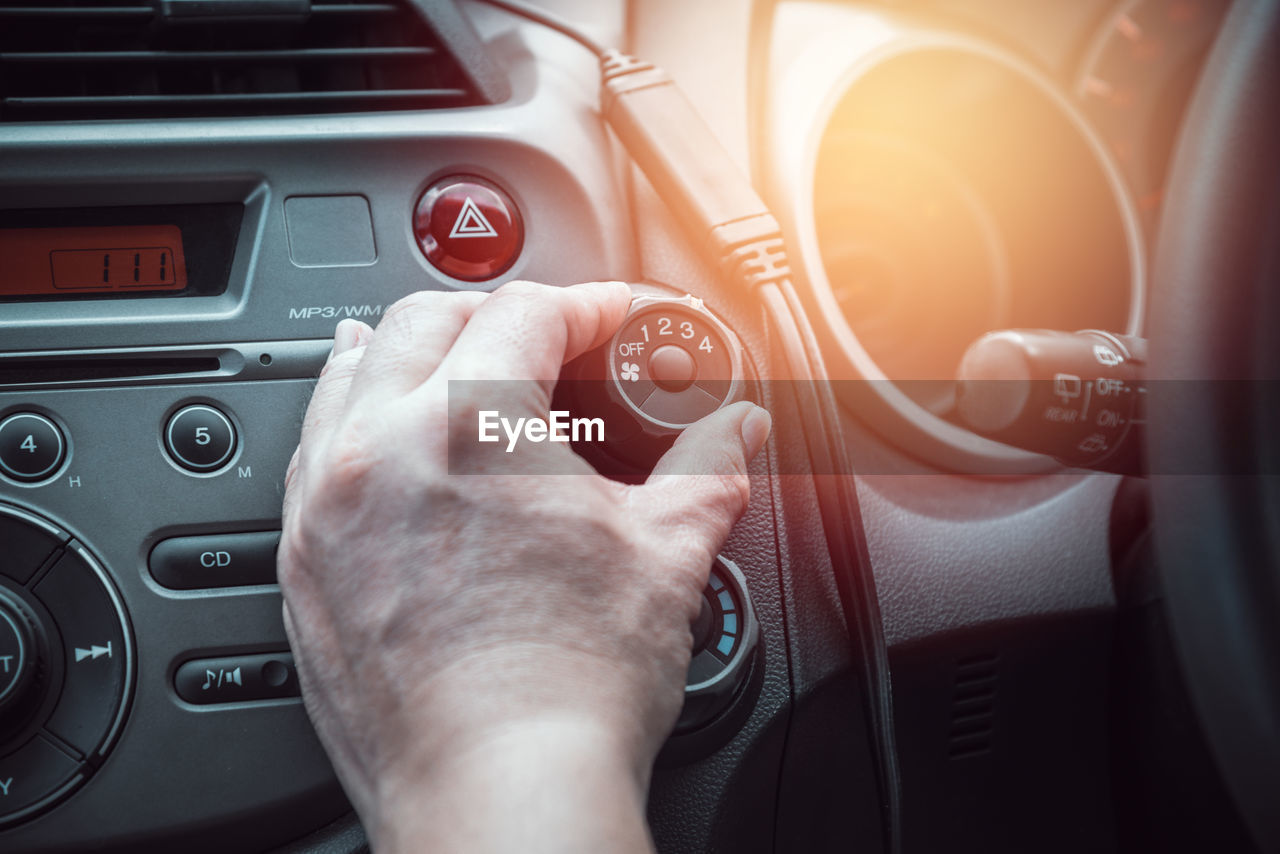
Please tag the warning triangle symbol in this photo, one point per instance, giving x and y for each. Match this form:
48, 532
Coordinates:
471, 222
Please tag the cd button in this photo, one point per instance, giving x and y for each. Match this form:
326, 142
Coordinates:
31, 446
221, 560
200, 438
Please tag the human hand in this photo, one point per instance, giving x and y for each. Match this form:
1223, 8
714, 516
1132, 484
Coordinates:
492, 631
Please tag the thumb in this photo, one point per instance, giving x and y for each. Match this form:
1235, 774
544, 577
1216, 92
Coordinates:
701, 482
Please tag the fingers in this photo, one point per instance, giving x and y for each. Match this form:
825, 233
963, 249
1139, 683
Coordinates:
350, 341
700, 485
412, 339
527, 332
329, 398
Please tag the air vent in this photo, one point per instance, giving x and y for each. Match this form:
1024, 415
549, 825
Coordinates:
95, 59
973, 706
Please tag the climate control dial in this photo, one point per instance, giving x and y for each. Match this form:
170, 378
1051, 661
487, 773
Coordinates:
673, 362
724, 644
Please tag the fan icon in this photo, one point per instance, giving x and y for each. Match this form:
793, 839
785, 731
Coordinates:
630, 372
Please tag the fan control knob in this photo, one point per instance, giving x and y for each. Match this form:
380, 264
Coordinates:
672, 362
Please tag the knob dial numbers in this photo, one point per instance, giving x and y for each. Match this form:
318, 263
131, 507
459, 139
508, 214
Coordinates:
673, 362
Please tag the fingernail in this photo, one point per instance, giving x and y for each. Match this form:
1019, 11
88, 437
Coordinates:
344, 337
364, 334
755, 430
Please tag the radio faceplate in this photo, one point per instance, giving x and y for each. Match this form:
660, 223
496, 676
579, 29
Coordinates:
119, 493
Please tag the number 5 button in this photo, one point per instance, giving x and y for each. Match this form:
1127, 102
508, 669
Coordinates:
31, 446
200, 438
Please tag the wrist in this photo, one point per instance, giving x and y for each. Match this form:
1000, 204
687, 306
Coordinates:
545, 780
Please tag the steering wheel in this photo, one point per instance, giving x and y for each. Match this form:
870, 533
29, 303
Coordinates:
1214, 417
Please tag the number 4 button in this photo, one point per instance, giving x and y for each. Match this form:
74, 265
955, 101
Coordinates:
31, 447
200, 438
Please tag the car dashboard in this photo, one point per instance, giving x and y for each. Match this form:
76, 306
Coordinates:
191, 200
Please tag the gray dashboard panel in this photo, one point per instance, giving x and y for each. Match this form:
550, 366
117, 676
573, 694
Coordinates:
1034, 547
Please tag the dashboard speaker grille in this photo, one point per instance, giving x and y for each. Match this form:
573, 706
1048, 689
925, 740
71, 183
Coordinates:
90, 59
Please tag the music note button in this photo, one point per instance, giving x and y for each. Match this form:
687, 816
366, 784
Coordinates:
237, 679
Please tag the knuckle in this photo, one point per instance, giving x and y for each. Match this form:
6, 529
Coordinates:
345, 465
523, 299
735, 492
344, 364
519, 289
718, 503
348, 467
402, 310
409, 315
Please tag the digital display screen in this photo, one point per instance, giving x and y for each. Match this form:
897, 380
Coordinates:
52, 262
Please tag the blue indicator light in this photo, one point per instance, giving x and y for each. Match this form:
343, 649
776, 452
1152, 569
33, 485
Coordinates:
731, 624
726, 601
725, 645
716, 583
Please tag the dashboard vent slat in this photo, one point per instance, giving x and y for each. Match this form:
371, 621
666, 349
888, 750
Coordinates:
81, 59
63, 12
127, 103
227, 56
973, 706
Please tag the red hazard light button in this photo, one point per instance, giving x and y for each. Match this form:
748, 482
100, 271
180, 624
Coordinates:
468, 228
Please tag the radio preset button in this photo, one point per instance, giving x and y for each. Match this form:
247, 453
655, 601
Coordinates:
200, 438
219, 560
31, 446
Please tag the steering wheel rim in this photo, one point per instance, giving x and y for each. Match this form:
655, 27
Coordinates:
1213, 418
